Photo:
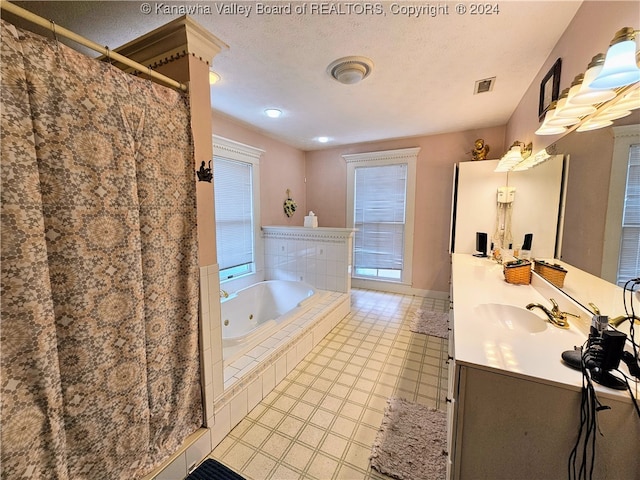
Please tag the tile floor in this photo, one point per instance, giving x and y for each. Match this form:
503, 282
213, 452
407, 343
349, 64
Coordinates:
321, 420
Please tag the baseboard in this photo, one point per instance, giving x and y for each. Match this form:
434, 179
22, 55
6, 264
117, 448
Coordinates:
393, 287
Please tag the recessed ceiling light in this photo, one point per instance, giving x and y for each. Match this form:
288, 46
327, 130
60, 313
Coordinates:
323, 139
213, 78
273, 112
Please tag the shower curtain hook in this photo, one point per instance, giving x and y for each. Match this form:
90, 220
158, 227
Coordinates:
108, 54
53, 29
55, 38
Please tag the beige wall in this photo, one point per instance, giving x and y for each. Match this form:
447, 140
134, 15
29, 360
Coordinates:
281, 167
326, 193
589, 33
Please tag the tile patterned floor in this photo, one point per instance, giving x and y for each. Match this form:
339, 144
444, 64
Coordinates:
320, 422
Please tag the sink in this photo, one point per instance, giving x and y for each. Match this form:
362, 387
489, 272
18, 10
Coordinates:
510, 317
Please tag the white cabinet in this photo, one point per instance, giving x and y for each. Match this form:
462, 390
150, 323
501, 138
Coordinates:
505, 427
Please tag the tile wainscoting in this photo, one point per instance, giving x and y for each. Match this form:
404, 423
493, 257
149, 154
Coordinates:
319, 256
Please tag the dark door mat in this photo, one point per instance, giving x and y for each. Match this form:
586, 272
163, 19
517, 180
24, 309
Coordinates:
211, 469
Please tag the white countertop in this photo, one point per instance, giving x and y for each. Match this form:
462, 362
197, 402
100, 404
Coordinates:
488, 342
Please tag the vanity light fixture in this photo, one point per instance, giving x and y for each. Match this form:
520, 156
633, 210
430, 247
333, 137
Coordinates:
590, 103
558, 119
620, 68
587, 95
567, 109
630, 101
550, 130
546, 128
518, 152
273, 113
532, 161
593, 124
612, 114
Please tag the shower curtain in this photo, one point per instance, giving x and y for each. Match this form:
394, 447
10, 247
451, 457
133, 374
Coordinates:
99, 359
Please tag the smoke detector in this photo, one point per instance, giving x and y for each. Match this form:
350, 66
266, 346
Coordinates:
350, 70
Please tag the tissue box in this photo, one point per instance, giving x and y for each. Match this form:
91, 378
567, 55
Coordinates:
311, 221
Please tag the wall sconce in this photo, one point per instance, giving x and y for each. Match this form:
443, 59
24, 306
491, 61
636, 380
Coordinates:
518, 152
620, 68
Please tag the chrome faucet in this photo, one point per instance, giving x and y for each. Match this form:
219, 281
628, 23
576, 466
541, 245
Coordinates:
555, 316
223, 294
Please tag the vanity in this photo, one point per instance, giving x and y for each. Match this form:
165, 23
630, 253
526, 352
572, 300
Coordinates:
513, 407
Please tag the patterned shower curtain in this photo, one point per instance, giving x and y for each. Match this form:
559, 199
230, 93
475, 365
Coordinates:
100, 372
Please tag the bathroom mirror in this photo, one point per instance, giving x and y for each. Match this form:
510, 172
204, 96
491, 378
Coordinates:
593, 174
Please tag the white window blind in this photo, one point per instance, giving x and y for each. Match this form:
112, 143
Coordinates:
629, 266
379, 216
234, 213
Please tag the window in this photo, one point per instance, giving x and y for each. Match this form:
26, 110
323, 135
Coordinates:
629, 263
234, 217
379, 217
380, 202
236, 187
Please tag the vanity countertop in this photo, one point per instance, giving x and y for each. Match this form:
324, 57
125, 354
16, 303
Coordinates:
486, 340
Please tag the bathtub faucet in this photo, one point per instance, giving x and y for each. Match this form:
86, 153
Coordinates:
223, 294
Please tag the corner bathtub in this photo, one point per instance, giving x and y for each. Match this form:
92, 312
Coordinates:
253, 314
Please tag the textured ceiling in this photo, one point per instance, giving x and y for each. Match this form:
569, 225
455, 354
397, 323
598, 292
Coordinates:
424, 71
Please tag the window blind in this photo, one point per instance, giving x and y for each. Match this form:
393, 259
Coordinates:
629, 266
379, 216
234, 212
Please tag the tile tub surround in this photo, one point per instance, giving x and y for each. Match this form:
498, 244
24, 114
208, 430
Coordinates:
319, 256
304, 332
321, 419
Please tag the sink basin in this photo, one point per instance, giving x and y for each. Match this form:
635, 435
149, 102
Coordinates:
510, 317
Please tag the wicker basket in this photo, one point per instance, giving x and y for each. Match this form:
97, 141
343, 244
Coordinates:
553, 273
518, 272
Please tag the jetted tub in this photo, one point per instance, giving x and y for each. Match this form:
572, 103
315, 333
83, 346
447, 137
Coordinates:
252, 314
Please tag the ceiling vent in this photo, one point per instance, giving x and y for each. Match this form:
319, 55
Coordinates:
350, 70
484, 85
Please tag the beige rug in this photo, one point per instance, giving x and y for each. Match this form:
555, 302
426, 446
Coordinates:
431, 323
411, 442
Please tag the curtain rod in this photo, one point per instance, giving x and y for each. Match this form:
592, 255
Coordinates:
57, 30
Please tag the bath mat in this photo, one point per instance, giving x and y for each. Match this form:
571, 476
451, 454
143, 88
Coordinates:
411, 442
211, 469
431, 323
